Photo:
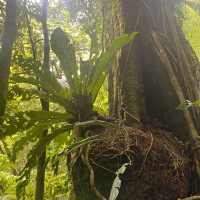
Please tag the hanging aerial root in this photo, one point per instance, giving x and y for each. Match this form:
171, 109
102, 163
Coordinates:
85, 159
169, 67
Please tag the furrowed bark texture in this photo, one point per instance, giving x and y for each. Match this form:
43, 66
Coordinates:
142, 74
112, 29
125, 78
167, 82
7, 40
149, 78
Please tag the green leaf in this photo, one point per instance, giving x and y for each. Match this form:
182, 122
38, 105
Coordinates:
28, 80
185, 105
31, 135
64, 50
195, 4
104, 63
61, 139
94, 123
33, 156
81, 143
196, 103
85, 70
50, 83
123, 40
24, 120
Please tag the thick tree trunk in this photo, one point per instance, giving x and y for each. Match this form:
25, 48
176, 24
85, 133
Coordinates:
7, 40
162, 92
144, 84
168, 81
112, 29
151, 83
126, 91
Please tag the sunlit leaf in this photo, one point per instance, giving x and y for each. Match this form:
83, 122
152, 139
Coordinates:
104, 63
64, 50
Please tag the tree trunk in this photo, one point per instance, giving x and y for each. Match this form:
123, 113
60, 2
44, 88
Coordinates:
41, 167
40, 178
147, 82
7, 40
160, 100
126, 90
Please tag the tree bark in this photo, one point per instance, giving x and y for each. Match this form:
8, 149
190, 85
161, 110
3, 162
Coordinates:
7, 40
145, 88
161, 95
142, 83
126, 91
40, 179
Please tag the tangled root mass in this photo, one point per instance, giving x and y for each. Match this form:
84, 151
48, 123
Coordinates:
159, 167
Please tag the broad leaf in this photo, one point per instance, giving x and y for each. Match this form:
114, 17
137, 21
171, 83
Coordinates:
104, 63
31, 135
33, 155
64, 50
29, 80
53, 90
24, 120
51, 84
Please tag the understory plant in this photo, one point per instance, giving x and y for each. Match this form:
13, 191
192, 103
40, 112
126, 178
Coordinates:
83, 82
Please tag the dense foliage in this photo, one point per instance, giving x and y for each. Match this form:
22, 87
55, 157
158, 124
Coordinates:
75, 87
